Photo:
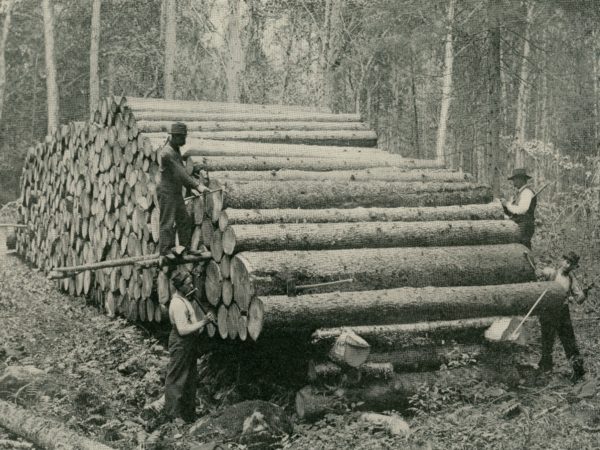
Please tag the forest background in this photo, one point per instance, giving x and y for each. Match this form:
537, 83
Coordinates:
486, 85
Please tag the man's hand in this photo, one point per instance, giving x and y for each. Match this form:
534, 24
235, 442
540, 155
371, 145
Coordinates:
209, 318
199, 190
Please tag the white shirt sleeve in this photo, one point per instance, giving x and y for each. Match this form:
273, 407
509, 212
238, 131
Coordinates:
524, 202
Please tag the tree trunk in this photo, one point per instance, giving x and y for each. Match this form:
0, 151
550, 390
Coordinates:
317, 236
340, 138
213, 163
94, 101
386, 336
252, 126
170, 48
521, 122
393, 306
375, 174
3, 41
493, 159
267, 273
447, 85
235, 61
51, 83
298, 194
488, 211
43, 432
201, 147
427, 357
417, 140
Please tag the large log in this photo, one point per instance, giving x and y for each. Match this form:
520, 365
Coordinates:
342, 138
267, 273
394, 336
315, 164
157, 126
349, 194
378, 173
426, 357
199, 116
488, 211
181, 106
311, 236
405, 305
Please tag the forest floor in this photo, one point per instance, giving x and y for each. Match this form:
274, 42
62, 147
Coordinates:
100, 372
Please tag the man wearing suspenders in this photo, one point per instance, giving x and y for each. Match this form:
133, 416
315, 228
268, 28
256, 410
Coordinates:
182, 374
521, 209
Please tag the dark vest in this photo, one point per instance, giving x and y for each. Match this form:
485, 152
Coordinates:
526, 221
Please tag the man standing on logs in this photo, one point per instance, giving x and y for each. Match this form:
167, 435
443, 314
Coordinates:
173, 177
182, 374
559, 321
521, 209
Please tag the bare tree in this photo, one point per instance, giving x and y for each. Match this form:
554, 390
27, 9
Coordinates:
94, 50
51, 84
521, 121
447, 85
235, 61
7, 6
494, 81
170, 47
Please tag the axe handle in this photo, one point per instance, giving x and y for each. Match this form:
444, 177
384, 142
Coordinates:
529, 313
529, 260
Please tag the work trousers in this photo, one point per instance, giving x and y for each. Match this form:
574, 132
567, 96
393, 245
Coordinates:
173, 218
559, 322
182, 376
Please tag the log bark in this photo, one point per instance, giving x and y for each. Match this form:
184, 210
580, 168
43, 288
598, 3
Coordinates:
309, 236
392, 335
267, 273
427, 357
157, 126
182, 107
394, 306
214, 163
43, 432
379, 173
199, 115
329, 372
298, 194
489, 211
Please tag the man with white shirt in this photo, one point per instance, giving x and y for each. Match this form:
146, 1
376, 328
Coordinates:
188, 322
521, 208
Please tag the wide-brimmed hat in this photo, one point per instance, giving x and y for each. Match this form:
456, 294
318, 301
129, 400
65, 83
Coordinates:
178, 128
520, 172
572, 258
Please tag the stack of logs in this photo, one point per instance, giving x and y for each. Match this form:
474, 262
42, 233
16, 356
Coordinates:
298, 198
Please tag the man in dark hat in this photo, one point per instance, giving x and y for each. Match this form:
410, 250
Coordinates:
173, 177
521, 209
559, 321
182, 375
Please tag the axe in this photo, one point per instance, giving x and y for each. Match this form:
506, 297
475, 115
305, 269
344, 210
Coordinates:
292, 289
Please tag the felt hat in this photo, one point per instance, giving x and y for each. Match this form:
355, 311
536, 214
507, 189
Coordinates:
181, 279
178, 128
520, 172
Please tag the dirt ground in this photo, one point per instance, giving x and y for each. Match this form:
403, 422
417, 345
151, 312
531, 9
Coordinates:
102, 371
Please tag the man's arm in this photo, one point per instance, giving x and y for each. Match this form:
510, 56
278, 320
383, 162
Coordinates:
181, 321
546, 274
179, 171
524, 202
576, 290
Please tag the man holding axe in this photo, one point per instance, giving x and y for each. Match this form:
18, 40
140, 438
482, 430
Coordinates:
559, 321
188, 322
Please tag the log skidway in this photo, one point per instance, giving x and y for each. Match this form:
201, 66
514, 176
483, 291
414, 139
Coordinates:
267, 273
349, 194
311, 236
231, 216
407, 305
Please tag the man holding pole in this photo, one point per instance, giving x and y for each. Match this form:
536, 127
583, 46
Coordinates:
559, 321
173, 177
521, 209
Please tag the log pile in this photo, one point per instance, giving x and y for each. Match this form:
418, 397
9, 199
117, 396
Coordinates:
298, 197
